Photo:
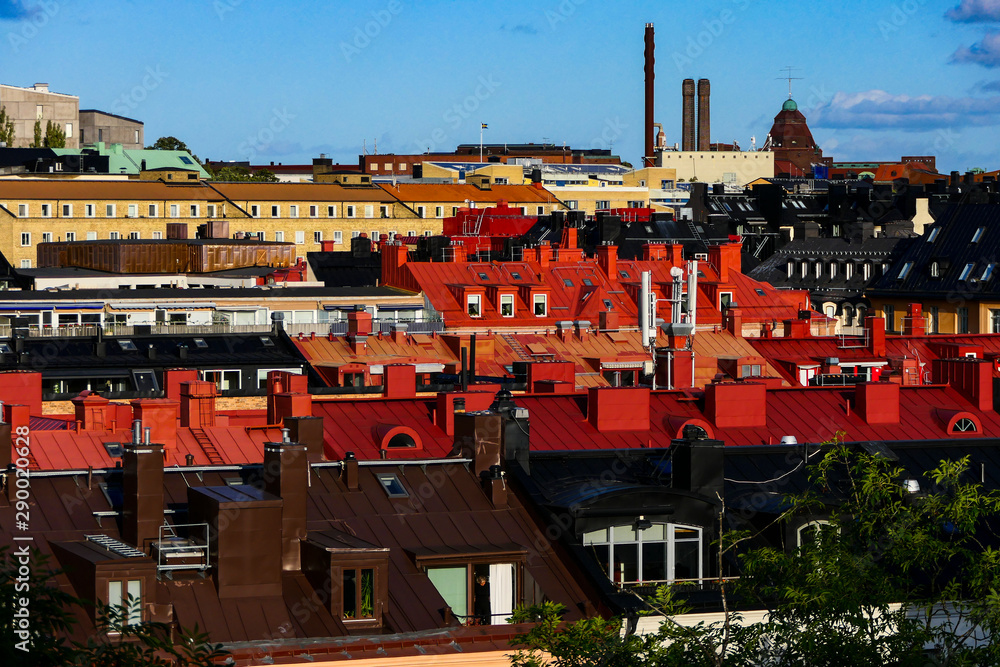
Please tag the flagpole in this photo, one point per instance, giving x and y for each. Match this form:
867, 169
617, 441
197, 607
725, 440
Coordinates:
481, 127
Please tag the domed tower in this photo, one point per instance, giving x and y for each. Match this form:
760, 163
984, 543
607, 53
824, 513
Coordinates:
795, 150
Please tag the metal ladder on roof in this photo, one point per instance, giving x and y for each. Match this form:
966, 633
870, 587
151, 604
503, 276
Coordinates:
206, 445
695, 234
516, 346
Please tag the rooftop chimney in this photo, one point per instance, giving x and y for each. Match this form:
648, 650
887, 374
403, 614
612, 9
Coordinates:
160, 416
875, 327
349, 471
650, 75
91, 411
477, 436
494, 485
697, 465
309, 432
399, 380
915, 324
142, 493
198, 404
877, 402
607, 259
687, 116
618, 408
736, 404
286, 475
704, 117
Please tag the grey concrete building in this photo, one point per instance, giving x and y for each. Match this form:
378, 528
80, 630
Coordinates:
98, 126
26, 105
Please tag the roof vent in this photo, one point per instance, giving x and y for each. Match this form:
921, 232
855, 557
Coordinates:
789, 440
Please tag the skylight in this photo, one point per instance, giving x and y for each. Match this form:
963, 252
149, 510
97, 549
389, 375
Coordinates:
978, 235
987, 272
933, 235
905, 271
759, 291
515, 275
127, 345
200, 343
4, 348
393, 487
567, 282
266, 342
624, 274
966, 271
186, 160
588, 282
483, 276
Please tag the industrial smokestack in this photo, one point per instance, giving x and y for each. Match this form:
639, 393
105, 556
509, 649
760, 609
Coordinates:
650, 75
687, 116
704, 115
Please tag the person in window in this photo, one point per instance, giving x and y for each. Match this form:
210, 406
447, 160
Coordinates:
481, 601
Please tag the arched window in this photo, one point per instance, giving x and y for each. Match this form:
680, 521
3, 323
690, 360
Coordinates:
813, 531
848, 313
645, 552
964, 425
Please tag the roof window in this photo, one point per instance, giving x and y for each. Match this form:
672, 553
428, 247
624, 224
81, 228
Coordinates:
200, 343
905, 271
127, 345
393, 487
966, 271
978, 235
933, 235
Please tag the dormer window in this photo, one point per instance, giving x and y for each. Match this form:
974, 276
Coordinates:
935, 270
540, 305
506, 305
474, 305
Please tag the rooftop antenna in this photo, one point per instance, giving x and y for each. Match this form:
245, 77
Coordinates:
790, 78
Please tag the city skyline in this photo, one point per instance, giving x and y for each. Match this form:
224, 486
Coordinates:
236, 80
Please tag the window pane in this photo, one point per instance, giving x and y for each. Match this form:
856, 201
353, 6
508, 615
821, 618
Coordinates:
595, 536
623, 534
350, 593
367, 593
135, 601
452, 584
626, 563
654, 561
686, 560
654, 532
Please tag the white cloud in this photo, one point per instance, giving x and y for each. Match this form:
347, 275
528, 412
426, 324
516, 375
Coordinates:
873, 109
985, 52
975, 11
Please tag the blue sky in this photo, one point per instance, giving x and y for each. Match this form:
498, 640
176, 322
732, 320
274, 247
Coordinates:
285, 81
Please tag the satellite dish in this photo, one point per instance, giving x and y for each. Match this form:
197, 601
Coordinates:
676, 272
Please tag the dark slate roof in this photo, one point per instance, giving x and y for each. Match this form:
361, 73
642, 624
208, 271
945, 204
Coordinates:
346, 268
77, 356
774, 269
952, 250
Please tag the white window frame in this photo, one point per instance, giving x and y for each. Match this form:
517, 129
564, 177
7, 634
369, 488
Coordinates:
46, 237
612, 536
300, 237
313, 211
67, 210
25, 239
279, 236
293, 211
114, 236
91, 236
22, 210
157, 235
254, 211
194, 210
474, 305
275, 210
153, 211
420, 211
338, 236
318, 236
350, 211
506, 300
331, 211
175, 210
543, 300
369, 210
70, 236
110, 210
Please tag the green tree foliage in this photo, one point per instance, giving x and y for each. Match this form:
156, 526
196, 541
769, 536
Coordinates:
50, 619
55, 136
239, 174
6, 128
889, 574
37, 141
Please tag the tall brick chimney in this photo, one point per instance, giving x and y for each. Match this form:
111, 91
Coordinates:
687, 116
704, 115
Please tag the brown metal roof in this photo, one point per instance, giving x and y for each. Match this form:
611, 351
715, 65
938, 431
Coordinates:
455, 519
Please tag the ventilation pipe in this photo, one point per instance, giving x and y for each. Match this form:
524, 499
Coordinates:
647, 309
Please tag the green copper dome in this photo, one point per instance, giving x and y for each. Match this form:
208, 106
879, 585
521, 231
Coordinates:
789, 105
